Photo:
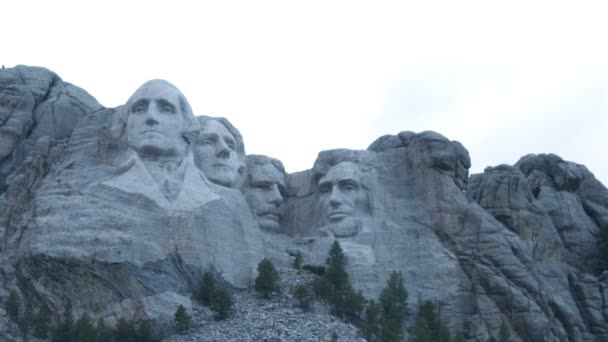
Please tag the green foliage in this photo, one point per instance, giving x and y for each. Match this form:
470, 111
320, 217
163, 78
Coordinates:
335, 288
371, 321
25, 323
64, 332
102, 332
83, 329
334, 336
267, 281
221, 302
41, 323
303, 296
336, 267
314, 269
12, 305
207, 288
428, 325
125, 331
297, 261
347, 304
391, 329
183, 321
504, 335
459, 338
393, 297
146, 333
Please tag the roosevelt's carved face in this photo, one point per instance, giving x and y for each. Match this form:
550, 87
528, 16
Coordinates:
16, 106
156, 121
264, 193
215, 153
342, 196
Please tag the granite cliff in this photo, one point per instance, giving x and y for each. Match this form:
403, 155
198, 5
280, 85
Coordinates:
118, 212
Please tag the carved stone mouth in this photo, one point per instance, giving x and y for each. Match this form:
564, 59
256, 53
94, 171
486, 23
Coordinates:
334, 216
272, 216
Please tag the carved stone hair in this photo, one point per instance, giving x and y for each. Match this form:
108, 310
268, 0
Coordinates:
256, 159
240, 145
192, 126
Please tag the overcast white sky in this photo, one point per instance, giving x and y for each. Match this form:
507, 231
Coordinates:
503, 78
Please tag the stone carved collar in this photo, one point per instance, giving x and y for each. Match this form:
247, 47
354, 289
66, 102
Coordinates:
134, 177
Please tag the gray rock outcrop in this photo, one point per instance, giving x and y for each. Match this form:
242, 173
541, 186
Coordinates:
118, 211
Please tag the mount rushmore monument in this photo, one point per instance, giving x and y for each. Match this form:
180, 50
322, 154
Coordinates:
119, 211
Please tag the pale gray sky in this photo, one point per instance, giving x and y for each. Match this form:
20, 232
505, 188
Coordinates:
503, 78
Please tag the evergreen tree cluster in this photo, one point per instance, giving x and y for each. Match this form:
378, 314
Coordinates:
85, 330
215, 296
39, 325
383, 320
335, 288
430, 328
267, 280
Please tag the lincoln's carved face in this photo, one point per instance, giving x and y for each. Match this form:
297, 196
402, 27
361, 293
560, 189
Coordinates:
215, 153
156, 121
263, 191
16, 107
342, 196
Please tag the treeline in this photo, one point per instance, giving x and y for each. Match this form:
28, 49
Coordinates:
38, 324
380, 320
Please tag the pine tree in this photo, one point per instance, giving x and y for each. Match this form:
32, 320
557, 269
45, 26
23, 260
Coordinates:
267, 280
41, 323
393, 297
145, 333
64, 332
221, 302
297, 261
336, 267
83, 329
102, 332
125, 331
12, 305
183, 321
334, 336
303, 296
207, 288
371, 325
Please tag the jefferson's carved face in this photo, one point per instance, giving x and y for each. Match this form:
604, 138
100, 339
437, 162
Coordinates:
264, 193
215, 153
156, 121
16, 107
341, 195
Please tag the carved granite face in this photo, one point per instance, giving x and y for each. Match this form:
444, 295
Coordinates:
16, 106
156, 120
342, 196
264, 193
216, 155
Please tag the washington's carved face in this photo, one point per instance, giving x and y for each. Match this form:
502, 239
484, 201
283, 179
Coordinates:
264, 194
215, 153
341, 194
16, 106
156, 121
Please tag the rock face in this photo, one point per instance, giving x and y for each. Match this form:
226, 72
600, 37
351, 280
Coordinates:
118, 211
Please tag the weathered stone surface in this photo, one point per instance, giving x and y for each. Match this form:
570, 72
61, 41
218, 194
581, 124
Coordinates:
118, 211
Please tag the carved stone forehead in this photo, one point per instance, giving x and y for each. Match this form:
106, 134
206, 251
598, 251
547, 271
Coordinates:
342, 171
157, 89
266, 172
